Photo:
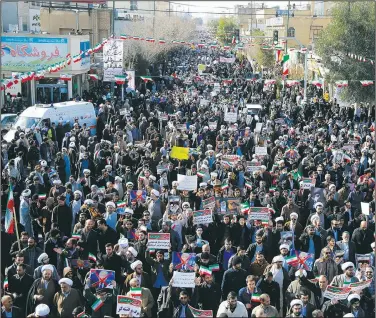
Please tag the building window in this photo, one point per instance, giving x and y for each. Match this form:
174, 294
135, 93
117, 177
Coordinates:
134, 5
315, 31
24, 27
319, 8
291, 32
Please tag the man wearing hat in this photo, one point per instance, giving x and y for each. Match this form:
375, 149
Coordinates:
67, 299
296, 286
25, 218
142, 277
43, 259
157, 207
43, 290
57, 189
146, 297
41, 311
319, 208
354, 304
347, 277
296, 306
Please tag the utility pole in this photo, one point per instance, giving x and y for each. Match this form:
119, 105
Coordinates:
287, 25
154, 20
169, 9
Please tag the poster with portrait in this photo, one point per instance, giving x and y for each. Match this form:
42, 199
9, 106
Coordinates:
101, 278
227, 206
317, 195
184, 261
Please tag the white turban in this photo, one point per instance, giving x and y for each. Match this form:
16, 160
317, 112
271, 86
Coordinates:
132, 250
286, 246
78, 192
294, 214
296, 302
42, 257
155, 192
135, 264
346, 265
353, 296
48, 266
110, 203
278, 258
42, 310
123, 242
66, 281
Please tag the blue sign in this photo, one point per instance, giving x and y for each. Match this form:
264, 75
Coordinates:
84, 46
20, 53
284, 13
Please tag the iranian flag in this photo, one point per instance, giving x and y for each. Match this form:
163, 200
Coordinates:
97, 47
366, 83
92, 257
233, 41
76, 236
201, 45
226, 47
82, 315
269, 82
42, 196
264, 222
136, 38
342, 83
97, 305
66, 77
94, 77
77, 58
248, 185
316, 83
120, 79
6, 285
224, 186
292, 260
123, 36
204, 271
286, 63
303, 50
121, 204
214, 268
146, 78
162, 41
200, 173
245, 208
9, 214
136, 292
255, 298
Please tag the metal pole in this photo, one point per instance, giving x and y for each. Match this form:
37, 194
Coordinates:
154, 20
113, 34
287, 25
305, 75
169, 8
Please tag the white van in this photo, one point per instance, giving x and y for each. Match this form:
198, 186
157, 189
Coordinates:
38, 115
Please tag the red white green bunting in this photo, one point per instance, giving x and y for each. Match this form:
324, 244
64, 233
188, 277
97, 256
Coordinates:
366, 83
94, 77
120, 79
146, 79
342, 83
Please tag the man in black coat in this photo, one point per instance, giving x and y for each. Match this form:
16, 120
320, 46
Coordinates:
362, 237
112, 261
318, 288
309, 237
209, 294
8, 308
62, 215
89, 239
233, 278
54, 242
106, 235
19, 285
270, 287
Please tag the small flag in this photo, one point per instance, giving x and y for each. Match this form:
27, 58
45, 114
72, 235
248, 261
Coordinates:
161, 41
92, 257
146, 78
264, 222
123, 36
9, 214
226, 47
121, 204
233, 41
285, 61
291, 260
224, 186
245, 208
81, 315
214, 268
66, 77
94, 77
136, 292
97, 305
201, 173
342, 83
136, 38
6, 285
366, 83
42, 196
204, 271
255, 298
248, 185
76, 236
120, 79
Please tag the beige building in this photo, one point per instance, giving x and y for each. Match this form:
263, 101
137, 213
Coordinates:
95, 23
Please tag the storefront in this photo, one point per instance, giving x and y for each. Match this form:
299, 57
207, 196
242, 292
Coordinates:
29, 53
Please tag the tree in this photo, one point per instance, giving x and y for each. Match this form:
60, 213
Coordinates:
352, 30
265, 58
226, 30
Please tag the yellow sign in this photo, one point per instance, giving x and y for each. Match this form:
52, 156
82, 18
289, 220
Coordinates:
179, 153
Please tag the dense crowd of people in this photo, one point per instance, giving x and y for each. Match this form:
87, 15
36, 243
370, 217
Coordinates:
90, 202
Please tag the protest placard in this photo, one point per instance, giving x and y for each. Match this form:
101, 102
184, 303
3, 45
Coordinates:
340, 293
208, 203
138, 195
348, 147
202, 217
253, 166
128, 306
187, 182
227, 205
360, 285
79, 263
162, 167
159, 241
212, 125
198, 313
258, 128
306, 183
365, 208
184, 261
181, 279
204, 102
180, 153
223, 59
258, 213
101, 278
231, 117
261, 151
363, 258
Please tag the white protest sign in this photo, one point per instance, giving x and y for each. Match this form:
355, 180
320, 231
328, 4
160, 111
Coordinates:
258, 213
231, 117
340, 293
261, 151
188, 183
202, 217
217, 87
204, 102
306, 183
128, 306
159, 241
258, 127
365, 208
186, 280
360, 285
